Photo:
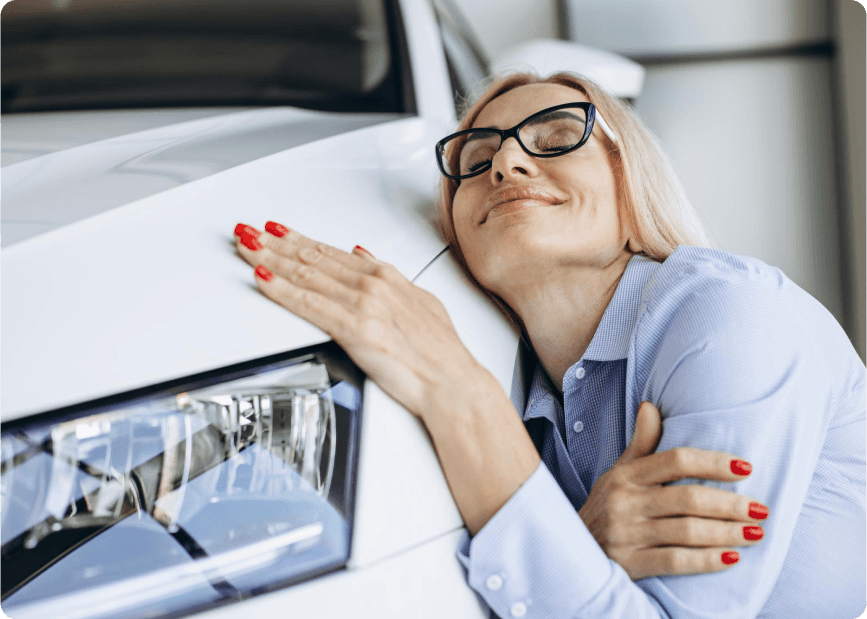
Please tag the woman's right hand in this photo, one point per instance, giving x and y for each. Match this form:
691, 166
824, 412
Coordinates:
655, 530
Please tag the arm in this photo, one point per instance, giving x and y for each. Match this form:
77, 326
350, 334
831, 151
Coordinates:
739, 385
402, 338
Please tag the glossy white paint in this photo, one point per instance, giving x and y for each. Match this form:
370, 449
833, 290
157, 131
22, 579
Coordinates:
71, 184
426, 581
433, 91
398, 466
35, 134
153, 290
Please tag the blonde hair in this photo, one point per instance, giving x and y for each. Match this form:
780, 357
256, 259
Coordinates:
653, 202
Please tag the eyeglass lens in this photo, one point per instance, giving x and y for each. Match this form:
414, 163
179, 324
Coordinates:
549, 134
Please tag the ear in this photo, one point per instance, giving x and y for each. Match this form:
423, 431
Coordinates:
633, 245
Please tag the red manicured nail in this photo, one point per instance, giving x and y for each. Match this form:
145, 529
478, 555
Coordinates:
364, 250
272, 227
730, 557
758, 511
264, 273
242, 229
753, 533
741, 467
250, 242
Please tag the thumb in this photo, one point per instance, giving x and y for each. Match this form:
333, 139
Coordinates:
648, 431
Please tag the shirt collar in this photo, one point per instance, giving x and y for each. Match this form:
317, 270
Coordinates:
611, 340
609, 343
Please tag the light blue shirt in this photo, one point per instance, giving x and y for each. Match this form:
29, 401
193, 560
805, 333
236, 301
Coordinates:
738, 359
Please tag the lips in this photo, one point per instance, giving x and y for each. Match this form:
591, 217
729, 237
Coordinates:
502, 199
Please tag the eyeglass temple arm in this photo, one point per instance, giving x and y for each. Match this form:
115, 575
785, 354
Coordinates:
605, 128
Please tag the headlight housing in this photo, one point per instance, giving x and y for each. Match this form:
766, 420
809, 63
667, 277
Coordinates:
172, 499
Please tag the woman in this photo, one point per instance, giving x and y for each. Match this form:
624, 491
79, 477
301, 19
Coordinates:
581, 236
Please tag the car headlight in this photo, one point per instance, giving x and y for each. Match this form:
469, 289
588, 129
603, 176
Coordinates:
208, 489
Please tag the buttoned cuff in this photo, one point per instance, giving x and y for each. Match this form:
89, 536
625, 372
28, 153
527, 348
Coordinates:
535, 557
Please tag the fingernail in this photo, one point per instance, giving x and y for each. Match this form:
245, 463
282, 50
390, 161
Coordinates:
758, 511
242, 229
364, 250
272, 227
753, 533
730, 557
264, 273
249, 241
741, 467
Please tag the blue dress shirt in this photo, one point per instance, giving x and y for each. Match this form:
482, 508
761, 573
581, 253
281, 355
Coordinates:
738, 359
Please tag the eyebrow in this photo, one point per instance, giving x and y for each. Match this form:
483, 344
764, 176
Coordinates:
562, 114
550, 116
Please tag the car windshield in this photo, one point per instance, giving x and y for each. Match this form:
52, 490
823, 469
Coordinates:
332, 55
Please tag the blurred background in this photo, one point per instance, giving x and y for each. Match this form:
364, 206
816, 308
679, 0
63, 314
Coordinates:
760, 106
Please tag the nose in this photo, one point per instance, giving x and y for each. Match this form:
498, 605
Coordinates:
512, 162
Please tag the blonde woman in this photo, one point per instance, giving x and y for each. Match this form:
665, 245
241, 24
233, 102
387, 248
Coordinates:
560, 206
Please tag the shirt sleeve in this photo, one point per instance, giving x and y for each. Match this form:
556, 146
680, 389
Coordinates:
730, 370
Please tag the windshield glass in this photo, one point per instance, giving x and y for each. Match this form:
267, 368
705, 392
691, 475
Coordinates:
330, 55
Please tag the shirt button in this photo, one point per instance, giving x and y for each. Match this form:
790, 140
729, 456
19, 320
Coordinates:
578, 426
494, 582
579, 373
519, 609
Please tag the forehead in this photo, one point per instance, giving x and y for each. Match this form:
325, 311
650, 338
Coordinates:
512, 107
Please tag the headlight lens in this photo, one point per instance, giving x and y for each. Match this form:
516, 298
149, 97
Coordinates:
214, 488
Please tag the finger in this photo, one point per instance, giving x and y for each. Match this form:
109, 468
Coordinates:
648, 431
696, 532
358, 250
700, 501
682, 462
318, 309
289, 243
675, 561
300, 266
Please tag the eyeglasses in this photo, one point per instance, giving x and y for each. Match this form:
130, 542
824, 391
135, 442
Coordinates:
552, 132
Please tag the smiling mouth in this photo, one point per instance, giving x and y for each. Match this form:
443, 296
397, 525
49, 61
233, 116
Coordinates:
516, 199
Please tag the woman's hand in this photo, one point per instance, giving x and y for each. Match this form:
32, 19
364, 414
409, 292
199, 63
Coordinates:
398, 334
402, 338
654, 530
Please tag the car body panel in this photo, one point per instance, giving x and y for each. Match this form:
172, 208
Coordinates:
148, 288
153, 290
397, 464
63, 187
425, 581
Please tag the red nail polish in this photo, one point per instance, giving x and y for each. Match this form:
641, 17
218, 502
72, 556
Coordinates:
758, 511
741, 467
730, 557
364, 250
250, 242
753, 533
272, 227
264, 273
242, 229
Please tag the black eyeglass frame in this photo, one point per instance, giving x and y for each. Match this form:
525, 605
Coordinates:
505, 134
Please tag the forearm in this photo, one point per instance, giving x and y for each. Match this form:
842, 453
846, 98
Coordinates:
482, 445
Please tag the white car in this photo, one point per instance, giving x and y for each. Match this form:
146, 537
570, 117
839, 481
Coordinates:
172, 441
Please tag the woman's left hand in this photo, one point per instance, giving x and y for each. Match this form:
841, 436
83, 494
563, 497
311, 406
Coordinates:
398, 334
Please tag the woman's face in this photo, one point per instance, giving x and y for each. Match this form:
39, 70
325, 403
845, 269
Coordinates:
528, 216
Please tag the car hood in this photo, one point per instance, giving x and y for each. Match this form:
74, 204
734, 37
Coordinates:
121, 296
